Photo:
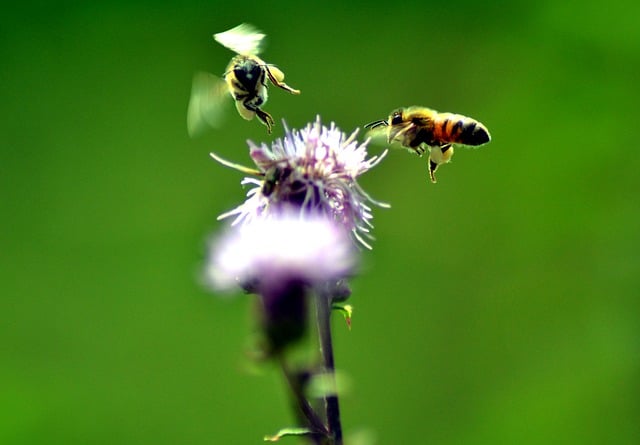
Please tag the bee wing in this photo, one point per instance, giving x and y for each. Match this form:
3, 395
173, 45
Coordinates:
244, 39
209, 95
397, 132
378, 135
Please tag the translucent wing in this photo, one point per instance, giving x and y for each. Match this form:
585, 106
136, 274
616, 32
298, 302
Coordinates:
209, 94
378, 134
244, 39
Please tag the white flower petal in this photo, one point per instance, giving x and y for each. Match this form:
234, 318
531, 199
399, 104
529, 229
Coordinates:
321, 160
283, 248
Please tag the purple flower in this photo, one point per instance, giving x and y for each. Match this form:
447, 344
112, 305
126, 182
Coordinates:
292, 237
268, 254
314, 171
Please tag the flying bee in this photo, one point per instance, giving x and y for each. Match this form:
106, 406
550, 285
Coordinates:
420, 129
245, 80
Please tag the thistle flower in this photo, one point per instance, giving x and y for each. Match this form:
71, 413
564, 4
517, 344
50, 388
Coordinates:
290, 241
281, 258
313, 170
266, 254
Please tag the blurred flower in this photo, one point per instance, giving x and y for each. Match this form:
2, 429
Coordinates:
313, 170
266, 254
280, 258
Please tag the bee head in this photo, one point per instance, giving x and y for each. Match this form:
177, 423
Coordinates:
396, 118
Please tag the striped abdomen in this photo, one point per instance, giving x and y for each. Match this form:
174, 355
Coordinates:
456, 128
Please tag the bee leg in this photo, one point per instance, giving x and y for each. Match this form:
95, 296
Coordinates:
252, 108
276, 77
245, 110
439, 155
265, 118
447, 153
433, 166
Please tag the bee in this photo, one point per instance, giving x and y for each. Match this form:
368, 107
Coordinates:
275, 174
245, 80
420, 128
274, 177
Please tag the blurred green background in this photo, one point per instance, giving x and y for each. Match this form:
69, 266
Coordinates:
499, 306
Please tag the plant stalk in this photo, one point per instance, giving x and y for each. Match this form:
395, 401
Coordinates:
312, 419
323, 315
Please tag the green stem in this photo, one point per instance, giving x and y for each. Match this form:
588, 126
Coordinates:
323, 314
314, 422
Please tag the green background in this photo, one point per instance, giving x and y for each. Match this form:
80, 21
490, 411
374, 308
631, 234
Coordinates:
499, 306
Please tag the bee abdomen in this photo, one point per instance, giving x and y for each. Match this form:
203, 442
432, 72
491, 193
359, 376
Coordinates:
474, 133
463, 130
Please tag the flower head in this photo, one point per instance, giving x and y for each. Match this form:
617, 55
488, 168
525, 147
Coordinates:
268, 254
281, 257
314, 171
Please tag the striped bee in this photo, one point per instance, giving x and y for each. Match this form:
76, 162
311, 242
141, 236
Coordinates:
421, 129
245, 79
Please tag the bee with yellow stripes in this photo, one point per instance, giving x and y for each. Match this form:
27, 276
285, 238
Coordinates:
421, 129
245, 79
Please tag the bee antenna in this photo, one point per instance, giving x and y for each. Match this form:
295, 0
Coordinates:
375, 124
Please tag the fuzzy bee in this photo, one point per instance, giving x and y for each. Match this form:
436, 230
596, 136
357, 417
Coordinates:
275, 174
245, 79
421, 129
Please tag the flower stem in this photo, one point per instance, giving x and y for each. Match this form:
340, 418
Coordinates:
323, 314
314, 422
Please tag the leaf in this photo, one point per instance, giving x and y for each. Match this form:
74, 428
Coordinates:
346, 310
293, 431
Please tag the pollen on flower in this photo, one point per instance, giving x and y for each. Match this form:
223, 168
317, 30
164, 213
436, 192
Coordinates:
281, 249
313, 170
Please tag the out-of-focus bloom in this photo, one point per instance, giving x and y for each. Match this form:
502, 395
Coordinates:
314, 171
280, 258
266, 254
